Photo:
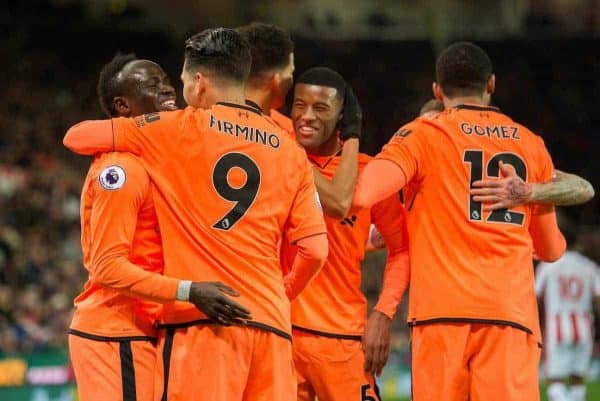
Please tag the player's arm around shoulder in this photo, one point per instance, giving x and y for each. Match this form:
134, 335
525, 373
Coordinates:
551, 186
124, 134
399, 161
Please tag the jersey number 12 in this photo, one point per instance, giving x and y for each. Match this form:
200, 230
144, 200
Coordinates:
492, 167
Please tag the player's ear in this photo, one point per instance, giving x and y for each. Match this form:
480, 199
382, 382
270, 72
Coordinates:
122, 106
437, 91
275, 82
491, 84
202, 82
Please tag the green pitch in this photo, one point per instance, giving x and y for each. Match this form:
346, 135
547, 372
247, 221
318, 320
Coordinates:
593, 393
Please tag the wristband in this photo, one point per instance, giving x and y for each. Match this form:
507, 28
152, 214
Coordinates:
183, 290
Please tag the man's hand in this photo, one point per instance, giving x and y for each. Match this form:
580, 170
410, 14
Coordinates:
376, 342
505, 193
212, 300
351, 123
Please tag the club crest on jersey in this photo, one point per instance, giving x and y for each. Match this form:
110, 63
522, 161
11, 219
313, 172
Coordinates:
112, 177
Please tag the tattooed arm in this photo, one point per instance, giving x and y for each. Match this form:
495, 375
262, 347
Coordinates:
563, 190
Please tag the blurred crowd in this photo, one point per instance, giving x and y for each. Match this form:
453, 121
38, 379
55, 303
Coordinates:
46, 91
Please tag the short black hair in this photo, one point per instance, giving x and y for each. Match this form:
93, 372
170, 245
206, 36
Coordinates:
108, 85
324, 76
222, 52
270, 46
463, 68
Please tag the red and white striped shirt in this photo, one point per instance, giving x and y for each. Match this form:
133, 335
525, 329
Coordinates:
568, 287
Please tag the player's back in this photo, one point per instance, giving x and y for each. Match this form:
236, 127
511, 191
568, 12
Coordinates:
229, 183
100, 310
470, 264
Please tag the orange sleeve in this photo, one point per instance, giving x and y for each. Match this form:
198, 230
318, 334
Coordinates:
389, 216
401, 159
90, 137
310, 256
544, 172
306, 217
549, 243
367, 194
136, 135
112, 226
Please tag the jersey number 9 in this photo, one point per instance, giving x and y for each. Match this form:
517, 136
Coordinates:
243, 196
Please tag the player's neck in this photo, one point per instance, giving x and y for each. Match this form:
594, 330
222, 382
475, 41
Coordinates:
230, 95
472, 100
262, 97
329, 148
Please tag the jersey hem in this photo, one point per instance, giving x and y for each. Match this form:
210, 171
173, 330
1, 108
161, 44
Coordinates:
200, 322
354, 337
496, 322
95, 337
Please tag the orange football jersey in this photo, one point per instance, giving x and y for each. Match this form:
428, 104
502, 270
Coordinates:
118, 218
466, 264
333, 303
229, 183
283, 122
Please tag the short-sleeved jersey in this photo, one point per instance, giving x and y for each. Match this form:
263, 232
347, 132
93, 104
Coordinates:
117, 210
229, 183
333, 303
466, 264
568, 287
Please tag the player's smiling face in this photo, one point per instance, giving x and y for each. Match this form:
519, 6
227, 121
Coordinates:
315, 113
149, 88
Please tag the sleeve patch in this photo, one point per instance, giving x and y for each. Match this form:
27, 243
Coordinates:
112, 178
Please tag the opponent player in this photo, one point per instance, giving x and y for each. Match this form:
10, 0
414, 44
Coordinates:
472, 307
229, 183
270, 80
329, 316
112, 341
568, 288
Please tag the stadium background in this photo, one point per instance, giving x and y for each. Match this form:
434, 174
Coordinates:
546, 62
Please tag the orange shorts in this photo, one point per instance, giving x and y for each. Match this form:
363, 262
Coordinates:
331, 369
217, 363
475, 362
119, 370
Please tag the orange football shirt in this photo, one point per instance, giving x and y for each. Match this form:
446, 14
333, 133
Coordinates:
283, 121
466, 264
119, 238
229, 183
333, 303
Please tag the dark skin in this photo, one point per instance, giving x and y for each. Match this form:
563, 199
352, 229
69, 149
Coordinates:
146, 89
316, 111
315, 114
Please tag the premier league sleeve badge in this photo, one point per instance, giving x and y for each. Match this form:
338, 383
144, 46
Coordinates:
112, 178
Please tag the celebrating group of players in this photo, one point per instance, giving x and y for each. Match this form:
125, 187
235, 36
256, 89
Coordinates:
224, 241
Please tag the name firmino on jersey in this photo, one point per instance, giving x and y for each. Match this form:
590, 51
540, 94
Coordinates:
250, 134
498, 131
